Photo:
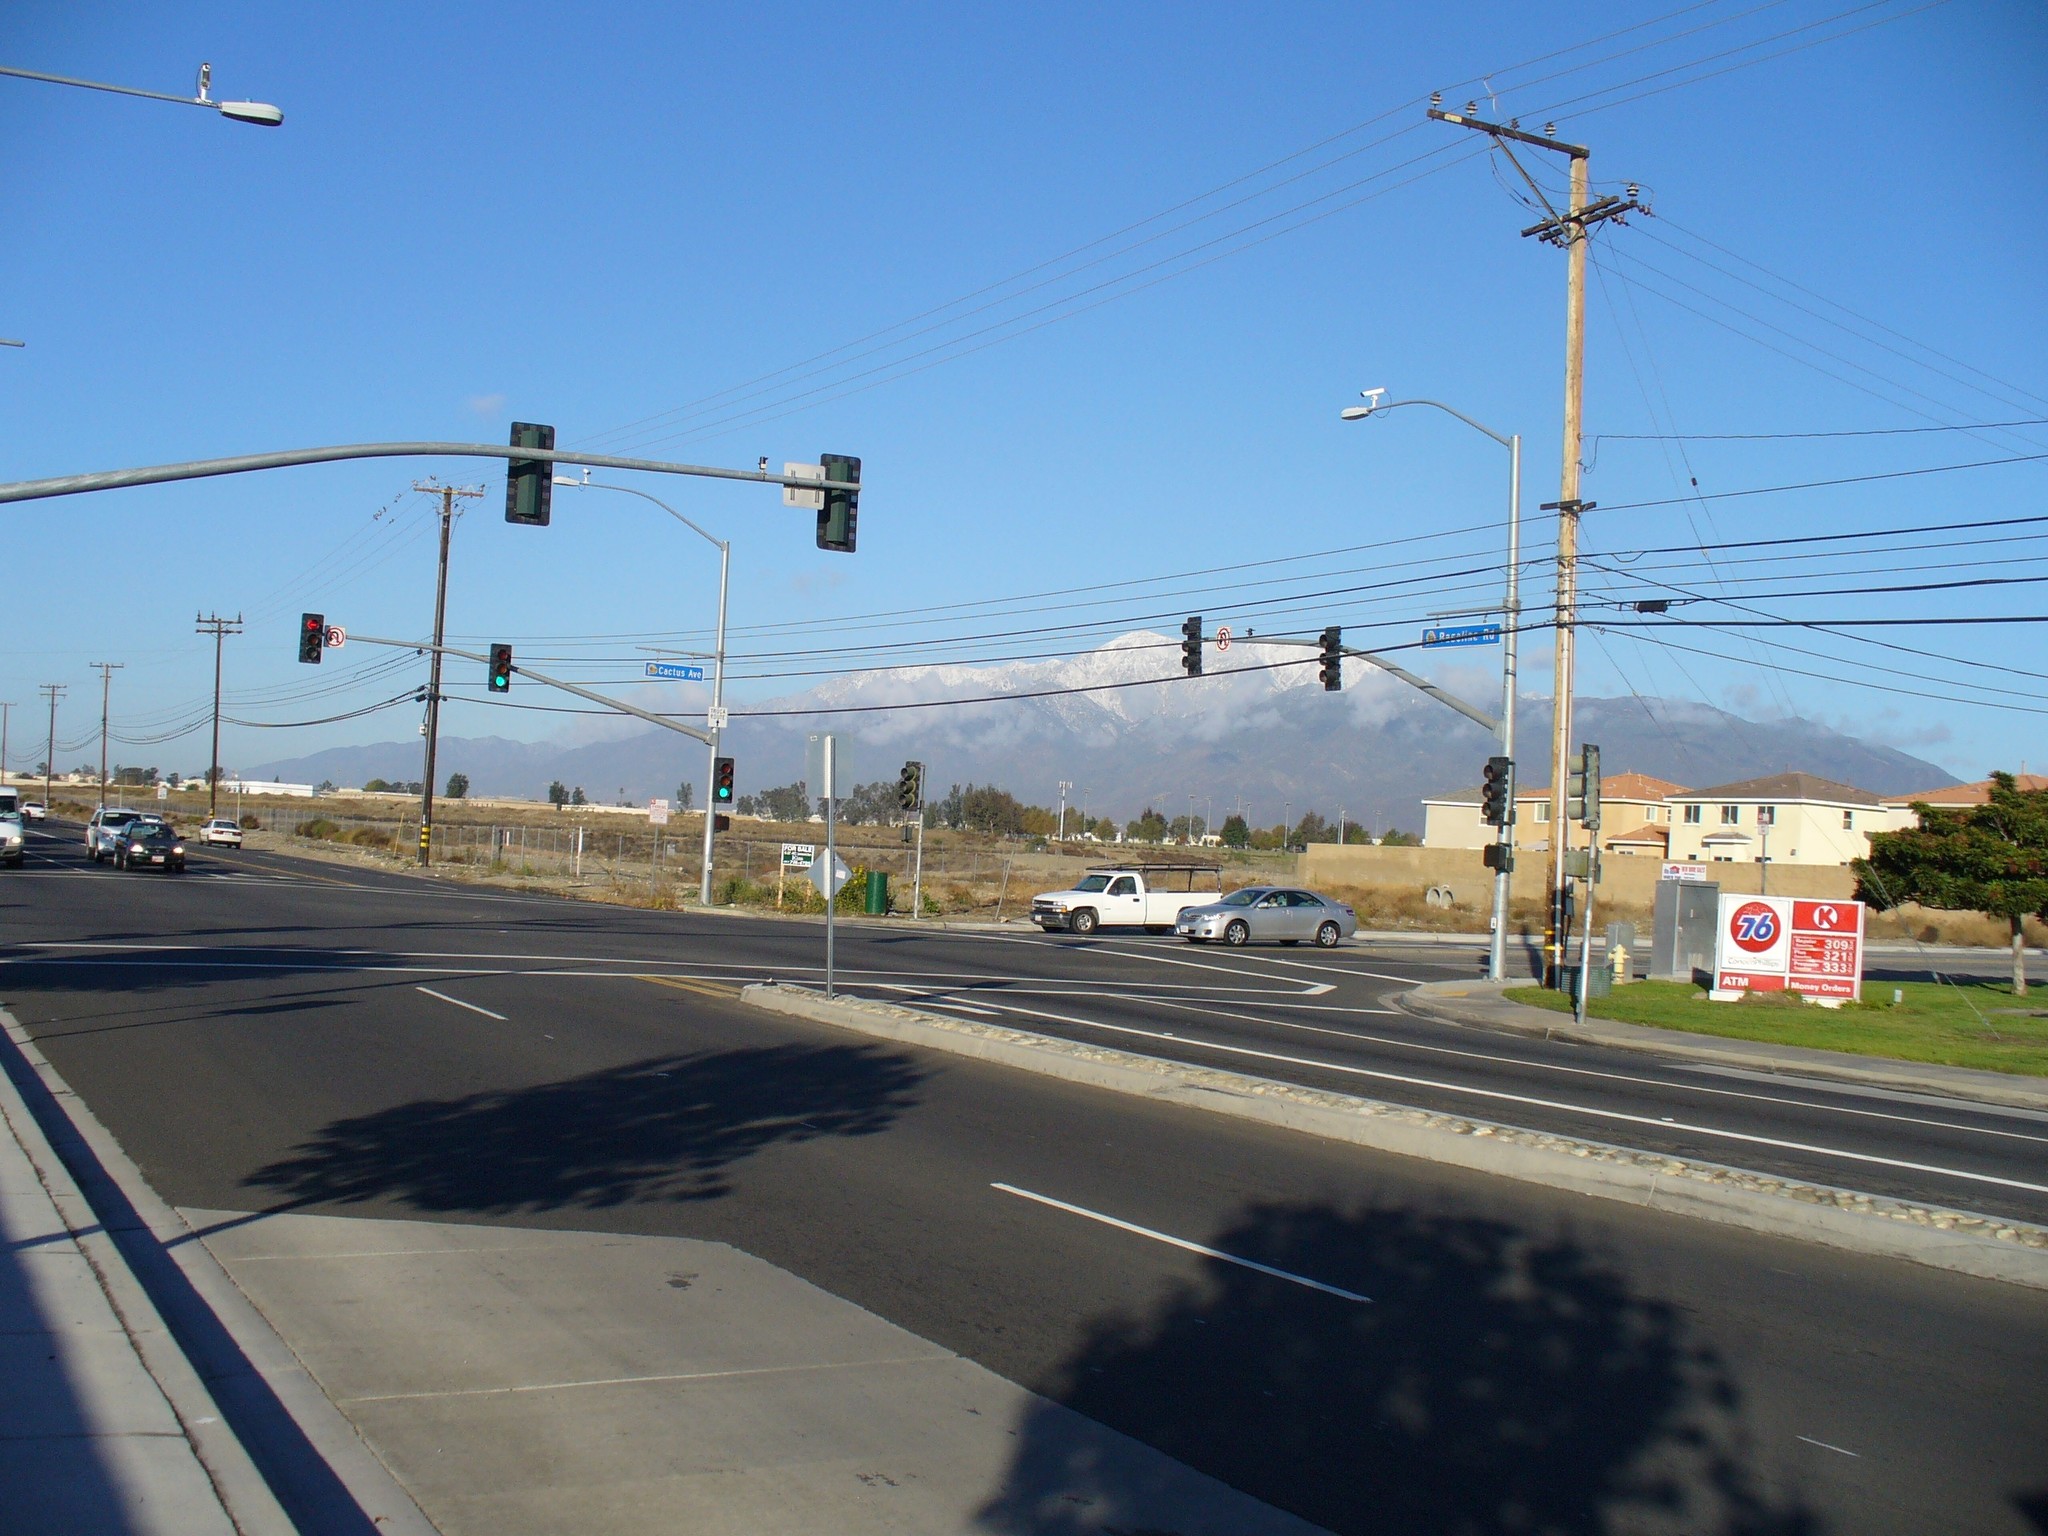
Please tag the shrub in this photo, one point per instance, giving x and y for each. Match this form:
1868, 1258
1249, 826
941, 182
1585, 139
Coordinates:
252, 823
318, 827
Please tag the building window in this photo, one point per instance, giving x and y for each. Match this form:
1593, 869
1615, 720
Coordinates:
1730, 815
1543, 810
1848, 821
1767, 815
1692, 815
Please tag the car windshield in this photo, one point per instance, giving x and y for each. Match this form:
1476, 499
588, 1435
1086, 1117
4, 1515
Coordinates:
1245, 897
1092, 883
118, 818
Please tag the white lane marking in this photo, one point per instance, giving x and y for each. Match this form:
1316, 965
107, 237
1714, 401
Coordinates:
1520, 1098
1593, 1072
1181, 1242
458, 1002
1864, 1091
1826, 1447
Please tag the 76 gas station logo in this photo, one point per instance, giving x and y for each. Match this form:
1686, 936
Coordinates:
1754, 927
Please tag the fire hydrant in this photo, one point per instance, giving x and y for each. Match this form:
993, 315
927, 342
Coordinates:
1617, 958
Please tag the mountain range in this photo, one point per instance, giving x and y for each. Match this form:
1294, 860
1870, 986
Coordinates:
1121, 726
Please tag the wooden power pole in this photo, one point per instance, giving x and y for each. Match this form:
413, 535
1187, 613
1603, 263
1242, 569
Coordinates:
1568, 229
447, 493
219, 628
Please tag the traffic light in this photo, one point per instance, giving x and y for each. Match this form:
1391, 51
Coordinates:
1191, 645
721, 782
1497, 791
1582, 790
530, 483
1331, 671
839, 517
910, 786
312, 636
501, 669
1498, 857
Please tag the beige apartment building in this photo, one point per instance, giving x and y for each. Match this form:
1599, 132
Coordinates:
1634, 817
1787, 818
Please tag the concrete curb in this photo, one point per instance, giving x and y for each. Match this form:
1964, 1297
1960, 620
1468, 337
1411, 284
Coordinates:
1871, 1224
1480, 1003
211, 1347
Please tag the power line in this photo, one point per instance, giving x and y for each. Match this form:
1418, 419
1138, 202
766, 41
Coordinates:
1815, 485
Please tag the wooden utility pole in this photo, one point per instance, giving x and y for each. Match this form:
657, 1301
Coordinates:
1568, 229
106, 670
447, 493
53, 692
5, 713
219, 628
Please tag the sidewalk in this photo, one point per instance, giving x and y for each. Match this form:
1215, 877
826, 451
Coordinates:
1479, 1003
90, 1440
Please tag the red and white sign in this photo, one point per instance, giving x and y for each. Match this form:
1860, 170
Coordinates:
1785, 943
1222, 637
1692, 874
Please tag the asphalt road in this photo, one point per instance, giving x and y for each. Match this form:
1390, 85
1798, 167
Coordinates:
263, 1033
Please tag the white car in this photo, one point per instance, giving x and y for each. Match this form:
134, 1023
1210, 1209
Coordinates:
33, 810
221, 830
11, 838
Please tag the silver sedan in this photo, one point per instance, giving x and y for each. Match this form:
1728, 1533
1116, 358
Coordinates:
1279, 913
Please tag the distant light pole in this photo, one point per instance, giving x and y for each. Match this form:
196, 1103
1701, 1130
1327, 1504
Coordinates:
1061, 835
261, 113
1496, 960
715, 720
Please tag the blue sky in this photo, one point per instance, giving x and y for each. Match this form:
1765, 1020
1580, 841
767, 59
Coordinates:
599, 220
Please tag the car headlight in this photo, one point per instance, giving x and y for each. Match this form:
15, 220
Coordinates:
177, 847
135, 848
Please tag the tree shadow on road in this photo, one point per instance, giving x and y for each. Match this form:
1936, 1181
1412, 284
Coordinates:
1497, 1382
665, 1129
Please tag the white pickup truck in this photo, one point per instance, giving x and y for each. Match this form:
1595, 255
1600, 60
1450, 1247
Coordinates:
1128, 896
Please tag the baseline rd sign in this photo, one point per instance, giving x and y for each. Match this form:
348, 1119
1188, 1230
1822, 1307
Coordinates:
1787, 943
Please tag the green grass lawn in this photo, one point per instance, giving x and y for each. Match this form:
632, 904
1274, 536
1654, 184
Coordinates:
1957, 1024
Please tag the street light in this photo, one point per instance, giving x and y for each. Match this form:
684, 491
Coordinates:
715, 721
1496, 960
261, 113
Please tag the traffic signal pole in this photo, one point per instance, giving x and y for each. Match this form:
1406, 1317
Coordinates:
717, 714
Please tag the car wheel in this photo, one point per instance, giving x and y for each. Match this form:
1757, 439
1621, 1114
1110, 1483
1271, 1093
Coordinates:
93, 854
1237, 934
1083, 922
1328, 936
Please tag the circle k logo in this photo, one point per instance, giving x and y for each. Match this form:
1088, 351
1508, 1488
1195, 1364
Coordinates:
1827, 917
1754, 927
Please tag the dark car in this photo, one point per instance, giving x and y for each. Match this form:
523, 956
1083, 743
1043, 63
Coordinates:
150, 845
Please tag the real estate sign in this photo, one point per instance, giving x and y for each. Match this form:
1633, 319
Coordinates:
1788, 943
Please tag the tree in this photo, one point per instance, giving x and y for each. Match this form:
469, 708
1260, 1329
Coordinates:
378, 787
1357, 836
685, 793
577, 797
1991, 858
324, 787
1148, 828
988, 809
558, 794
458, 786
1396, 838
1313, 829
1236, 833
789, 803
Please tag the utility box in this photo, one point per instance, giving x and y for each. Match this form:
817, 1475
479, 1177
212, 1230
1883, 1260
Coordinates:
1686, 924
878, 893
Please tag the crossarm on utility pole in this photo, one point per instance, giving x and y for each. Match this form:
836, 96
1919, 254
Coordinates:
551, 682
200, 469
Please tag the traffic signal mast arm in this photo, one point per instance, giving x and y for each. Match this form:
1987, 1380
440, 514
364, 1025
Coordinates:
552, 682
200, 469
1471, 712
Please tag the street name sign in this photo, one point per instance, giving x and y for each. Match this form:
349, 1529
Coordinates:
675, 671
1461, 634
1789, 944
828, 878
799, 855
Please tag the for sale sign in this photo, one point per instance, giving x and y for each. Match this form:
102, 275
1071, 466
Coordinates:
1785, 943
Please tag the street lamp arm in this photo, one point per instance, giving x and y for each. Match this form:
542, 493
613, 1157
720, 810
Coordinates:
260, 112
600, 485
1360, 412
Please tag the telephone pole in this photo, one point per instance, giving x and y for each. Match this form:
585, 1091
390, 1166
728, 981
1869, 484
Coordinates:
106, 670
53, 692
219, 628
447, 493
5, 714
1568, 229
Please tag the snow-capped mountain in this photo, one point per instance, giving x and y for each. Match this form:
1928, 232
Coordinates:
1124, 727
